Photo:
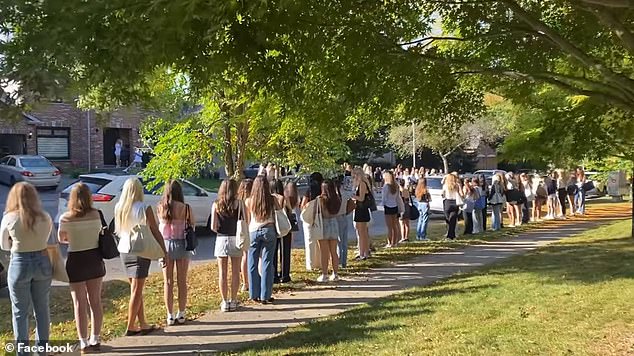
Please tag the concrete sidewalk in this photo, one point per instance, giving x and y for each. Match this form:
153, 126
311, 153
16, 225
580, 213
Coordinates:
218, 331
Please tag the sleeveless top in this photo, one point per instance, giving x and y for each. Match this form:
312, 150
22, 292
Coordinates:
82, 235
137, 217
174, 230
227, 223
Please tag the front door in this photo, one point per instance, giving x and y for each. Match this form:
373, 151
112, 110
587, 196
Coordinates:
110, 137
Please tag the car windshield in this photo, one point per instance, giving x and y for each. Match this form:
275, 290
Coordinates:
35, 162
434, 183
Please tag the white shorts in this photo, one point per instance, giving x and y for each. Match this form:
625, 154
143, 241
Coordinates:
226, 247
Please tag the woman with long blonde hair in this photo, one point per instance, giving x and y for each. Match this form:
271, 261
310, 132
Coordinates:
362, 215
25, 230
391, 195
451, 192
129, 212
79, 227
174, 215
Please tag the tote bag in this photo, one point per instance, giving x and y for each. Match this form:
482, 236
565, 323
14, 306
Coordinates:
243, 239
143, 243
308, 213
317, 227
57, 262
282, 224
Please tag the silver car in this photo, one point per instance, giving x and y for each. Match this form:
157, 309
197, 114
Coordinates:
36, 170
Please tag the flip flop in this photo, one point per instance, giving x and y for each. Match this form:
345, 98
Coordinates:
148, 330
132, 332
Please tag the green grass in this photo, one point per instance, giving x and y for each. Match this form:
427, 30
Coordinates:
572, 297
209, 184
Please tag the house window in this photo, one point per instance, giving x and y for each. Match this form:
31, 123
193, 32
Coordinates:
53, 142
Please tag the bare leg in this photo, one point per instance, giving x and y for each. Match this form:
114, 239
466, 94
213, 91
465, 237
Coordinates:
235, 277
388, 224
333, 253
168, 285
245, 269
182, 267
96, 310
324, 251
136, 302
80, 307
222, 277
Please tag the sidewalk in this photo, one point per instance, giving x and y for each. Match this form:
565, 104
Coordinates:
218, 331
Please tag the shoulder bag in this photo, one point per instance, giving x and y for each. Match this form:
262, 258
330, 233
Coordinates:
369, 200
308, 213
107, 240
191, 241
243, 239
414, 214
282, 224
588, 186
316, 228
141, 242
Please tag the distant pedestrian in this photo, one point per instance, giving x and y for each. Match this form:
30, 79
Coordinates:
331, 205
244, 192
407, 206
468, 206
391, 201
580, 200
571, 192
423, 199
362, 214
451, 192
118, 146
497, 199
480, 204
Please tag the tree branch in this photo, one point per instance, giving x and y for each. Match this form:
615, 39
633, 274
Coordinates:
606, 16
624, 83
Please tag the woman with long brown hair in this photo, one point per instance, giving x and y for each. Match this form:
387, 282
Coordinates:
291, 202
362, 215
391, 197
330, 206
244, 191
25, 230
423, 198
79, 227
174, 215
224, 220
261, 209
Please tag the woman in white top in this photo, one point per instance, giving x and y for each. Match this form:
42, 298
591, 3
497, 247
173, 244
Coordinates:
529, 192
25, 230
260, 211
451, 192
391, 196
79, 227
129, 212
117, 152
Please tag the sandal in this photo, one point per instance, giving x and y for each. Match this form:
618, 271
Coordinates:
132, 332
148, 330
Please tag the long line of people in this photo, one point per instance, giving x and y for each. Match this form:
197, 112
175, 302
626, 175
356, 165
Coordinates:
249, 237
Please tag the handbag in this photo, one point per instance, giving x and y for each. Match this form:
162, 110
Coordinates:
57, 263
588, 186
371, 202
191, 241
414, 214
243, 239
141, 242
308, 213
292, 217
107, 240
316, 228
282, 224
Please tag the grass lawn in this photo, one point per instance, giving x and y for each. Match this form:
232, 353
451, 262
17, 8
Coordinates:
203, 285
572, 297
209, 184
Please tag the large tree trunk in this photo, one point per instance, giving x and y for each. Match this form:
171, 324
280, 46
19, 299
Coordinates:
228, 150
242, 137
445, 163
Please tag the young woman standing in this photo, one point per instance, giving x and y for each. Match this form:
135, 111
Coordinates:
468, 207
571, 191
261, 208
244, 191
224, 221
129, 212
512, 200
407, 204
342, 225
330, 206
562, 192
291, 202
581, 192
423, 198
362, 215
451, 192
79, 227
311, 246
553, 200
529, 192
173, 215
25, 230
480, 203
391, 196
497, 200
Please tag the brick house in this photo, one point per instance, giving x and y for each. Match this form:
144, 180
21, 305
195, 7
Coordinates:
70, 137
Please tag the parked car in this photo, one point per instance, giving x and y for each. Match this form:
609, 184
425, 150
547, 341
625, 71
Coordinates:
488, 174
36, 170
251, 171
106, 190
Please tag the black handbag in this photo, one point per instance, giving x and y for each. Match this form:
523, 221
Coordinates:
292, 217
107, 240
191, 241
414, 214
588, 186
371, 202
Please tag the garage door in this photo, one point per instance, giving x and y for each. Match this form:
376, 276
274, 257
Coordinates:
12, 144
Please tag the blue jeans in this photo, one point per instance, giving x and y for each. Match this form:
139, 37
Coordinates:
496, 217
263, 243
29, 279
342, 245
580, 201
477, 221
423, 220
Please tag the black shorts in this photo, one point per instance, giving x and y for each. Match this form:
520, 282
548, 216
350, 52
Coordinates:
82, 266
390, 211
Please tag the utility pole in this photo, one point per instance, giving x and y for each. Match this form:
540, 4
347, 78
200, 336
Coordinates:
413, 145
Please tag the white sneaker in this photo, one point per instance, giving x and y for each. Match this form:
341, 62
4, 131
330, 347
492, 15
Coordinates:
180, 317
170, 320
334, 277
511, 225
322, 278
233, 305
224, 306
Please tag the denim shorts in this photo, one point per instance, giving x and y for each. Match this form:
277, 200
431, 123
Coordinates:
226, 247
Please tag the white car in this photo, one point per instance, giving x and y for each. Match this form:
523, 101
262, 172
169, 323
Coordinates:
106, 190
434, 186
36, 170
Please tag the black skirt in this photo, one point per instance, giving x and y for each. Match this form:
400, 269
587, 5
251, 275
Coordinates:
361, 213
82, 266
135, 266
